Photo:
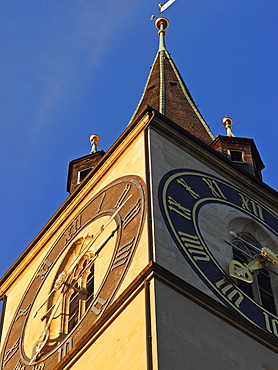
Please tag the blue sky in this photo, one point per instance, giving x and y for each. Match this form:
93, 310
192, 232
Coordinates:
71, 68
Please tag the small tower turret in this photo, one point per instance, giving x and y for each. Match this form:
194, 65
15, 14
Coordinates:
242, 151
79, 168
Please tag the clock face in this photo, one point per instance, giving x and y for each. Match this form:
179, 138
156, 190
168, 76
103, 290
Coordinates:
201, 212
79, 277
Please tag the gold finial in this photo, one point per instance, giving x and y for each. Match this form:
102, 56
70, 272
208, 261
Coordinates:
161, 24
227, 123
94, 139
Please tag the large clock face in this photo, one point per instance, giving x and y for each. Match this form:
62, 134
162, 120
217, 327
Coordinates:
195, 207
78, 278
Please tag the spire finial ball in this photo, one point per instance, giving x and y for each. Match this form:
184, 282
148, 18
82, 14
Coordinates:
227, 122
162, 21
94, 139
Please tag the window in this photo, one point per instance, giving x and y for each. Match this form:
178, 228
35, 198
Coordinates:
260, 290
237, 155
245, 287
90, 286
82, 174
73, 309
81, 294
266, 294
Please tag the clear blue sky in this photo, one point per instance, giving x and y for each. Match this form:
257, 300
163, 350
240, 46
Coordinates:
70, 68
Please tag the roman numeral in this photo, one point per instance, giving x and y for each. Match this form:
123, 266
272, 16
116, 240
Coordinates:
122, 196
188, 188
73, 228
271, 324
132, 213
10, 352
252, 207
65, 349
101, 303
178, 208
101, 201
230, 291
122, 254
39, 366
194, 247
19, 366
43, 270
214, 188
23, 312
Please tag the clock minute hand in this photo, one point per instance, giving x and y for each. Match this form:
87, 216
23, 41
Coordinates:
41, 342
95, 237
244, 241
65, 274
236, 247
96, 254
267, 253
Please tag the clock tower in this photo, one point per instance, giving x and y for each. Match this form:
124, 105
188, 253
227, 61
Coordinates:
164, 255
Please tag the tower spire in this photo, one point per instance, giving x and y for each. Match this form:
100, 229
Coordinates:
162, 24
166, 92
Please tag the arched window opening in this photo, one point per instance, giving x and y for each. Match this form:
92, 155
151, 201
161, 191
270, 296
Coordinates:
245, 287
73, 310
90, 286
266, 294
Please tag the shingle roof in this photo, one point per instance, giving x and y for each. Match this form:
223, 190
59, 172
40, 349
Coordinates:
166, 92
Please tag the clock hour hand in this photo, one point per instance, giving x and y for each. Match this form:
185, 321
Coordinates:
244, 271
40, 343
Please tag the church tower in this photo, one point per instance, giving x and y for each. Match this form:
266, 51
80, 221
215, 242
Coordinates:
164, 255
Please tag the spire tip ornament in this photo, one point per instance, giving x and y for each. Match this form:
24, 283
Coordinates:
227, 123
162, 24
94, 140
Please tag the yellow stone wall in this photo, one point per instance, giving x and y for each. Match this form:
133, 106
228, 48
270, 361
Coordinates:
122, 345
128, 158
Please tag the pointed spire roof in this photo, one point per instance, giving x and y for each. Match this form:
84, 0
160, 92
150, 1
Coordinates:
166, 92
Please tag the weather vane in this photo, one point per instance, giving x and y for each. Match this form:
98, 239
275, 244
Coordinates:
162, 8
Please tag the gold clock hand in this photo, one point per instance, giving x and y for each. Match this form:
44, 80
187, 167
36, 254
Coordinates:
244, 241
81, 254
244, 271
58, 284
40, 343
34, 314
269, 256
238, 248
96, 254
43, 338
95, 237
267, 253
63, 277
